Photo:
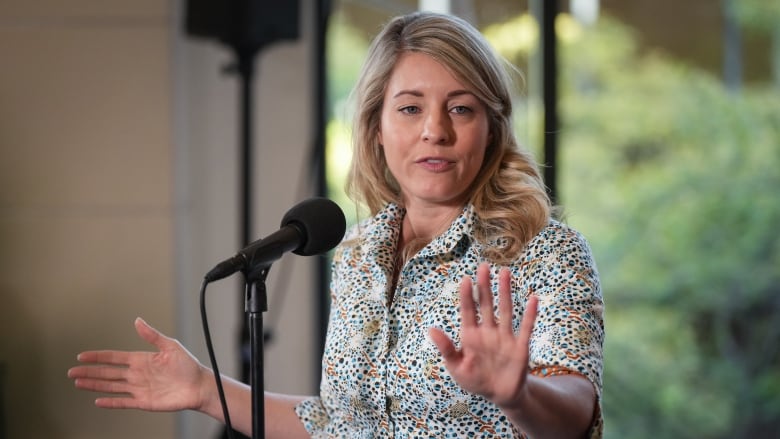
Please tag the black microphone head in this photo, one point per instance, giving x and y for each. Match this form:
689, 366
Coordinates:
321, 223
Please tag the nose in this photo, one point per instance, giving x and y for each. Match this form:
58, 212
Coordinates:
436, 128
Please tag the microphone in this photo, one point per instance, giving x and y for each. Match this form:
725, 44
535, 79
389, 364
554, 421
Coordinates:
310, 227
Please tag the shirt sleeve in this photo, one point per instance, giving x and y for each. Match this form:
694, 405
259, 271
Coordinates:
313, 415
569, 330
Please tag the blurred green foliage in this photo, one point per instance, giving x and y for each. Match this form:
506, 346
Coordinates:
676, 183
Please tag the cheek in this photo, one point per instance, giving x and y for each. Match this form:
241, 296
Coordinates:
392, 158
477, 161
476, 165
385, 124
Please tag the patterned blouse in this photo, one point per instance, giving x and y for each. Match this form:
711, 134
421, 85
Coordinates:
382, 377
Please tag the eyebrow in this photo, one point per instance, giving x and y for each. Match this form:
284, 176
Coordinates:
418, 93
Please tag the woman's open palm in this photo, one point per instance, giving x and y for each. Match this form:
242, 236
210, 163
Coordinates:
492, 361
166, 380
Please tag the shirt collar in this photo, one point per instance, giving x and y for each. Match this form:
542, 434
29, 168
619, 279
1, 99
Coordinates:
382, 231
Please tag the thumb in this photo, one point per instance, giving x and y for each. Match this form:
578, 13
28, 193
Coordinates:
151, 335
443, 343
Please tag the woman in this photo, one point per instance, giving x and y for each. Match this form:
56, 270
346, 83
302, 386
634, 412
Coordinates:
460, 308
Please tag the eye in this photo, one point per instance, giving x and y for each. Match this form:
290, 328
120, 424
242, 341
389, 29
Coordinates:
410, 109
460, 109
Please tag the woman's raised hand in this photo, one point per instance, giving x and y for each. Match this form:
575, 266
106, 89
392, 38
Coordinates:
492, 360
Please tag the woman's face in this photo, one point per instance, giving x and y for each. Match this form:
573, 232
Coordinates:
434, 132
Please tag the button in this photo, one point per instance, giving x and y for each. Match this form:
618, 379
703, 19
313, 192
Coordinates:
391, 404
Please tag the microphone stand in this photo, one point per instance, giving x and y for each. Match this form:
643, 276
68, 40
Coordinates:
256, 303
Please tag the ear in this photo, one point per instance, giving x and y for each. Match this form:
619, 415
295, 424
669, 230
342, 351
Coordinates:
379, 140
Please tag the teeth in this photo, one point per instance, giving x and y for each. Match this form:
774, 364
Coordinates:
434, 161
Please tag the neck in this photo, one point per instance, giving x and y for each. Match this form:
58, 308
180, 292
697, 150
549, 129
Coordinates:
424, 224
418, 228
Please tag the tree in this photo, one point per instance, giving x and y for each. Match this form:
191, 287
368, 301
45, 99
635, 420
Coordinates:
674, 181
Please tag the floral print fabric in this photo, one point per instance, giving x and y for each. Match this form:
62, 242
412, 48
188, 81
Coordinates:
381, 375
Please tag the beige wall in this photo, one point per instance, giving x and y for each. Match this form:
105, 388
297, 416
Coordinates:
118, 182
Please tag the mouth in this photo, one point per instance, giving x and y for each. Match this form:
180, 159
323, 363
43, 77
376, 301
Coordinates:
434, 161
435, 164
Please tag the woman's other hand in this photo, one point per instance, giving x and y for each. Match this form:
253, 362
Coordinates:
169, 379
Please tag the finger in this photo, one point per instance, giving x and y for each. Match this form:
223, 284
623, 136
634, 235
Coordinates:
468, 311
119, 358
100, 372
485, 295
102, 386
117, 403
529, 317
447, 349
76, 372
505, 305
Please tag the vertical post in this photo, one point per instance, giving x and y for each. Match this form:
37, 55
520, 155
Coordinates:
256, 305
245, 63
245, 57
550, 96
732, 48
321, 120
244, 67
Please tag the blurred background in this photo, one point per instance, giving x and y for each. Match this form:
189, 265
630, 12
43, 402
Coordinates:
130, 165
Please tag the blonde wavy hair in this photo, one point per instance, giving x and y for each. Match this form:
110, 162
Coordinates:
508, 193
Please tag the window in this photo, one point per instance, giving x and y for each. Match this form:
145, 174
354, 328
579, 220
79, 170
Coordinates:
669, 165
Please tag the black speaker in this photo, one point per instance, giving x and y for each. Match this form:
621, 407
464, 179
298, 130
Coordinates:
247, 24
